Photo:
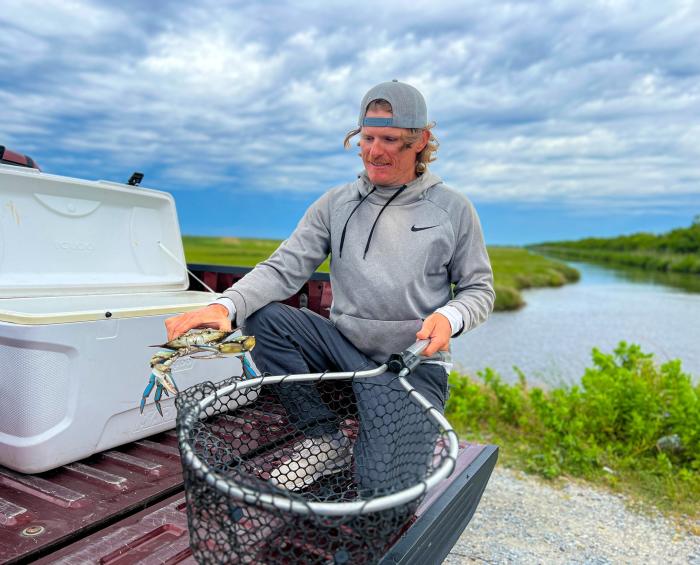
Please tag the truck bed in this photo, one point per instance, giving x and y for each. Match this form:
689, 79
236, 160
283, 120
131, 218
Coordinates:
126, 505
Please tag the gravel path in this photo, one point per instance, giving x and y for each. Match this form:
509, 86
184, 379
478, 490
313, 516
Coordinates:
522, 519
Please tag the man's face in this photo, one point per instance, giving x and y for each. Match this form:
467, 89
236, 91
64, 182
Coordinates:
387, 161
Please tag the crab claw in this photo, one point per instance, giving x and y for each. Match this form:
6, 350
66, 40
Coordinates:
165, 379
147, 391
163, 382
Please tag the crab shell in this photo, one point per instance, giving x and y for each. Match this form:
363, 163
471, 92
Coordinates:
237, 345
196, 337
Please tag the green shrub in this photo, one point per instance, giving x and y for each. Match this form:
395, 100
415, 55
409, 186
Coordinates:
609, 425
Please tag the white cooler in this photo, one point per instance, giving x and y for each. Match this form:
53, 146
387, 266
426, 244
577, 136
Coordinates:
88, 273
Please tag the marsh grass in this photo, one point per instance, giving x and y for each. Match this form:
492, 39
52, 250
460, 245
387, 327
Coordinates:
647, 260
676, 251
514, 268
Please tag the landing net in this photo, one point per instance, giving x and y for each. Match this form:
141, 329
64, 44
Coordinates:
271, 482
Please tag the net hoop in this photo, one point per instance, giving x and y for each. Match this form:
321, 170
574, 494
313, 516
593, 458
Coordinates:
335, 509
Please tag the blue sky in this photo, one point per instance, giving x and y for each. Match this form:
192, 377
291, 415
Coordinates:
558, 120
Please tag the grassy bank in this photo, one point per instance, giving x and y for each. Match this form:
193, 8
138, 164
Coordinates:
677, 251
630, 424
514, 268
648, 260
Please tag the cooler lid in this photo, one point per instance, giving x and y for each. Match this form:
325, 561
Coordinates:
66, 236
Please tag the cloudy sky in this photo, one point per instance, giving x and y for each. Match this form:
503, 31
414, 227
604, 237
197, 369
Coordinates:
558, 120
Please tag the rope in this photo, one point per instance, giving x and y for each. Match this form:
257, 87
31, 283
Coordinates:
195, 277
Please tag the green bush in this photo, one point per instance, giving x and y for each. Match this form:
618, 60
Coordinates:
609, 425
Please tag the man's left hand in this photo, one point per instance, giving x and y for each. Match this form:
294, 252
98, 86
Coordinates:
438, 330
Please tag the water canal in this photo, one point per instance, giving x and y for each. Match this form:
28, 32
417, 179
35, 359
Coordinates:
551, 338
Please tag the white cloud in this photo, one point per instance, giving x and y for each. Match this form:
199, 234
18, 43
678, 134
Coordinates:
533, 100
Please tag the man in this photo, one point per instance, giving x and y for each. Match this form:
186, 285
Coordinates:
408, 262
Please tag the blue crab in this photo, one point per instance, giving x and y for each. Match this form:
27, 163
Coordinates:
208, 343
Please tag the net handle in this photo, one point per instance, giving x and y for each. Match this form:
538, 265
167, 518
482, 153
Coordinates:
403, 363
354, 508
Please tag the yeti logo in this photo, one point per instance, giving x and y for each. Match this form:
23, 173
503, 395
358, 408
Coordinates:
74, 245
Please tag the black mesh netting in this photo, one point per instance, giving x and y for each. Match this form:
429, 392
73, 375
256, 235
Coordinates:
260, 470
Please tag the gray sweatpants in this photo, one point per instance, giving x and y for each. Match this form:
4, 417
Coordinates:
396, 441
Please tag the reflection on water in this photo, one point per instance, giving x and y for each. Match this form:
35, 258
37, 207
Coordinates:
551, 338
683, 281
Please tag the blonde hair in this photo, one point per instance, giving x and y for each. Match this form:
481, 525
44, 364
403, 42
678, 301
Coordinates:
412, 135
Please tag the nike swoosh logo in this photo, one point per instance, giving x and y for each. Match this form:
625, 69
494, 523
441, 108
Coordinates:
414, 228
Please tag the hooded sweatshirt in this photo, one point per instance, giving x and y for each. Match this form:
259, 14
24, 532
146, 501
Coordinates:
397, 255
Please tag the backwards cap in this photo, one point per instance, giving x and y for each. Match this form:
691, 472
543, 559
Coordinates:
407, 106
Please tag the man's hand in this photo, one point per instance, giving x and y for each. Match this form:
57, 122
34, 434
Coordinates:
212, 316
438, 330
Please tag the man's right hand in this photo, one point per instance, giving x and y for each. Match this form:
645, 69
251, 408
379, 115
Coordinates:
212, 316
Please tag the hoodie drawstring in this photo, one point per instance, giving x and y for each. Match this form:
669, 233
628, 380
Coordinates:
399, 191
345, 227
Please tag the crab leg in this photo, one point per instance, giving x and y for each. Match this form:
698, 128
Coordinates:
159, 393
174, 384
147, 391
248, 371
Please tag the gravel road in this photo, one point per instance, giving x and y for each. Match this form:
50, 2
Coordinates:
522, 519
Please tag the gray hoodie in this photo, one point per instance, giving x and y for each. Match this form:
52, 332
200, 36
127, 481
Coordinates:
391, 265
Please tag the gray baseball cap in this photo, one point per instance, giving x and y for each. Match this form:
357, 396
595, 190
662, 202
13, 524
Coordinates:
407, 104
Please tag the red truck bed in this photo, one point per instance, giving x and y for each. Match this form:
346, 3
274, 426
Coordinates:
126, 505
